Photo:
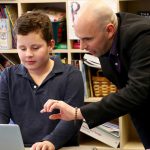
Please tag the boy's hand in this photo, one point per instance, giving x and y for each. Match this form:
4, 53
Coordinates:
45, 145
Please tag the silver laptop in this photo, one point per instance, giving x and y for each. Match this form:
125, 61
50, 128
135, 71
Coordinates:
10, 137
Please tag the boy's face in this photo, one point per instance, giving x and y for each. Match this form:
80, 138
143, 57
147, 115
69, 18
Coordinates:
33, 51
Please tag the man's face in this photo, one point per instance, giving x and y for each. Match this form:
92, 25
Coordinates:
33, 51
93, 38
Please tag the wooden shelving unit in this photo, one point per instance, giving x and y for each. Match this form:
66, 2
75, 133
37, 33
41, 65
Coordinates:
128, 136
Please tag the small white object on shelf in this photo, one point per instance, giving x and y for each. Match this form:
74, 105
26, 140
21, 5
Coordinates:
92, 61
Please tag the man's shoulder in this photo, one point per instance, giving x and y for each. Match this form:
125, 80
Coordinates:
131, 21
132, 27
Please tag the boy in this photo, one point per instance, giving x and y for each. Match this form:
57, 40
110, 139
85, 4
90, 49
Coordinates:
26, 87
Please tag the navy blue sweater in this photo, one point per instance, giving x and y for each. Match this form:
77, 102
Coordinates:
21, 100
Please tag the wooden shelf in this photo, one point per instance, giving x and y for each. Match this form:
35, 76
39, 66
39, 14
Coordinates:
133, 145
8, 1
41, 1
128, 136
60, 51
11, 51
126, 0
78, 51
92, 99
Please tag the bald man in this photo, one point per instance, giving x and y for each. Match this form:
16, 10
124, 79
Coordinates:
122, 43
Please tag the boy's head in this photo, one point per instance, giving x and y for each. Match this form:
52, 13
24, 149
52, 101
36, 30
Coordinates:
34, 21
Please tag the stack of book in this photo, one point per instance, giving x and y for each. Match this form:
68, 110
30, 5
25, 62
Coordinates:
92, 61
107, 133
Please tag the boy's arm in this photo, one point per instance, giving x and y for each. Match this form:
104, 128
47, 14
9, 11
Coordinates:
4, 99
74, 96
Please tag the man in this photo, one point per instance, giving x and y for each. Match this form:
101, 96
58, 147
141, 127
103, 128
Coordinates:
24, 88
122, 43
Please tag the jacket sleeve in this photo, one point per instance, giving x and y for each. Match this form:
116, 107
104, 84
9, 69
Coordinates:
74, 96
134, 95
4, 99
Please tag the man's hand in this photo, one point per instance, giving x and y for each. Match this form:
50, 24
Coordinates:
67, 112
45, 145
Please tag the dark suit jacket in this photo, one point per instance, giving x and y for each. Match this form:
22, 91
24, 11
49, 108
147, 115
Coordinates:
134, 82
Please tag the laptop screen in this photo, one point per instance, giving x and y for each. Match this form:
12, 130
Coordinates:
10, 137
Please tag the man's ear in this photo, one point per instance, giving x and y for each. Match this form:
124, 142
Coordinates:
110, 29
51, 44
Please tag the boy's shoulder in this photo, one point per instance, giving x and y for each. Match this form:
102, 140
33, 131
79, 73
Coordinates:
13, 69
71, 68
63, 66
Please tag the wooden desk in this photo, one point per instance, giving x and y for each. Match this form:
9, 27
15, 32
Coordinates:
72, 148
83, 147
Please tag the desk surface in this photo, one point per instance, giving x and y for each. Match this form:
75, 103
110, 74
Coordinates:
82, 147
72, 148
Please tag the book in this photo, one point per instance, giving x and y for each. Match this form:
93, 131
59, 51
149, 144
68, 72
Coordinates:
73, 8
5, 34
110, 128
75, 62
85, 79
82, 69
1, 67
101, 135
12, 14
90, 81
11, 58
4, 62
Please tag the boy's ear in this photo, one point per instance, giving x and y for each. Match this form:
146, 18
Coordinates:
51, 44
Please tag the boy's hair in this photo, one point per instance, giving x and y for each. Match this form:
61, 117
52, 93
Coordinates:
34, 21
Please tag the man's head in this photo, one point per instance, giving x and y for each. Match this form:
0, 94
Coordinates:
34, 22
96, 25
